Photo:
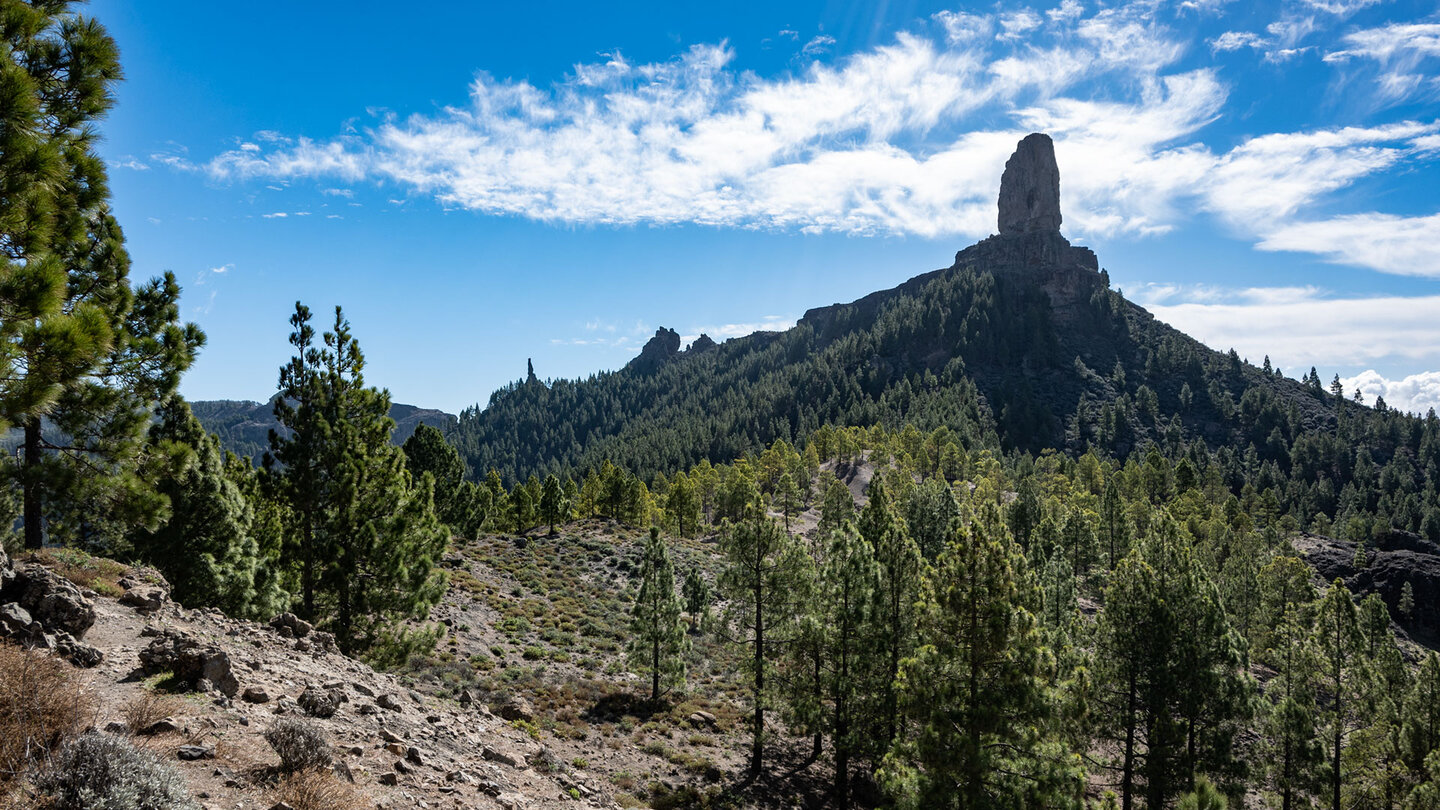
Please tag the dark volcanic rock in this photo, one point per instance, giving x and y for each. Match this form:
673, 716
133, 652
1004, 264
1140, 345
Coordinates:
1397, 558
658, 351
701, 345
51, 600
190, 660
1030, 188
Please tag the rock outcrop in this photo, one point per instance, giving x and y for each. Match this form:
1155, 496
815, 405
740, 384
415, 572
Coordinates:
1030, 188
658, 351
42, 610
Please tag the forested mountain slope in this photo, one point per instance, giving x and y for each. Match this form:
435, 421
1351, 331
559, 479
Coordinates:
244, 427
1020, 343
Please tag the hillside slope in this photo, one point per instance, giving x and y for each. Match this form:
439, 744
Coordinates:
243, 427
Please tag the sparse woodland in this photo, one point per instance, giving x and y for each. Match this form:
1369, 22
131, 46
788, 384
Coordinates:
944, 548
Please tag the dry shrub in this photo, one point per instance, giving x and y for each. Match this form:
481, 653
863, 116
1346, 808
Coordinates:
105, 772
300, 743
319, 790
86, 570
41, 705
148, 708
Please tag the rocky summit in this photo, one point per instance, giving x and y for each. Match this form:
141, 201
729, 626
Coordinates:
1030, 187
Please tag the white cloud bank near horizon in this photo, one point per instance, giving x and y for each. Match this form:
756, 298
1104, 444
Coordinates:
889, 140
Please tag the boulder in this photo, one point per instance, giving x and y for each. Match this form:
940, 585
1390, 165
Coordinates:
51, 600
320, 702
194, 752
190, 660
78, 653
297, 627
15, 621
516, 708
255, 694
145, 599
1030, 188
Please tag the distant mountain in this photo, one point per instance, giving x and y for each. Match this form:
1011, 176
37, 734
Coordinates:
244, 426
1021, 343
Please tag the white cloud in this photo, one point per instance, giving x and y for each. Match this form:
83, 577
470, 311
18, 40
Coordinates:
222, 269
129, 162
1340, 8
1018, 23
818, 45
1301, 330
904, 138
723, 332
1407, 246
1067, 11
1400, 53
1235, 40
962, 27
276, 215
1417, 393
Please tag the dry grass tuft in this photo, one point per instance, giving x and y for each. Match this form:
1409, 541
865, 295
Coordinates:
319, 790
86, 570
148, 708
41, 706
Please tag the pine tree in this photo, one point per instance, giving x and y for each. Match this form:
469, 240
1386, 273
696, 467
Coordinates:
368, 535
845, 598
975, 687
763, 568
928, 513
683, 505
658, 642
96, 471
1337, 637
900, 568
205, 549
427, 451
55, 229
552, 502
697, 595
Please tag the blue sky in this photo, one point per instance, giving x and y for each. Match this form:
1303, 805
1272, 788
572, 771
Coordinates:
478, 184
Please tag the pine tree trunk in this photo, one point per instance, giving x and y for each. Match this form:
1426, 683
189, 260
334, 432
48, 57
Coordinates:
655, 672
1127, 773
34, 519
758, 752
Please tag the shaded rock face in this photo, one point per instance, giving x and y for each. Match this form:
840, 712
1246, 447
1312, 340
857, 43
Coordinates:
658, 350
1030, 188
1395, 559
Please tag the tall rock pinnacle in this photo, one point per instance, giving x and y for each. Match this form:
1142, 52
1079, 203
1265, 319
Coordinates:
1030, 187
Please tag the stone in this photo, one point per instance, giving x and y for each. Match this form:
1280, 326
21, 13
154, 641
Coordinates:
194, 752
299, 628
503, 756
190, 661
413, 755
395, 748
320, 702
1030, 188
390, 737
388, 701
255, 694
15, 620
117, 727
389, 778
517, 708
78, 653
164, 725
282, 806
146, 599
702, 720
52, 600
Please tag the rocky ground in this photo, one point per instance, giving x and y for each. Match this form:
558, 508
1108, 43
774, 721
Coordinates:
199, 689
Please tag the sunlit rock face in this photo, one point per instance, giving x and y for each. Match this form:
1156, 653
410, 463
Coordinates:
1030, 188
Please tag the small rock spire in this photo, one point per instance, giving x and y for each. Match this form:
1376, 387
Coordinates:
1030, 187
